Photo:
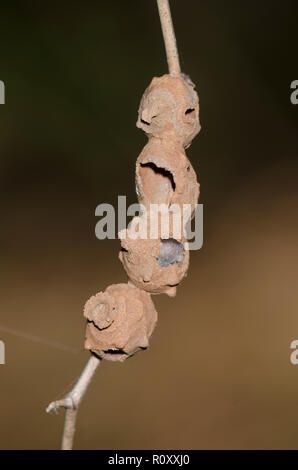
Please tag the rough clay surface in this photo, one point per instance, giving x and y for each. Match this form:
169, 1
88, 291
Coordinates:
170, 107
120, 322
152, 265
165, 175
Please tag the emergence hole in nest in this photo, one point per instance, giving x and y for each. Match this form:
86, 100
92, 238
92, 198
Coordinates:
145, 122
189, 110
160, 171
114, 351
158, 183
114, 354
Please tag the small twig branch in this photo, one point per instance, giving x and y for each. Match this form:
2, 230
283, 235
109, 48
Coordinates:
72, 401
169, 36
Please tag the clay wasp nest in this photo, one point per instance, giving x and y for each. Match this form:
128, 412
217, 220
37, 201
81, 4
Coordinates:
120, 322
154, 265
164, 175
170, 108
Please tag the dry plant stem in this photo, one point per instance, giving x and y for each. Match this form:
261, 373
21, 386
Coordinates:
169, 36
69, 429
72, 401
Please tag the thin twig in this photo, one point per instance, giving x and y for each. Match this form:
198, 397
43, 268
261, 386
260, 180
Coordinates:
169, 36
72, 401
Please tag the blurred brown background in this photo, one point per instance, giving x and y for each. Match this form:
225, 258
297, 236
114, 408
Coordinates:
218, 372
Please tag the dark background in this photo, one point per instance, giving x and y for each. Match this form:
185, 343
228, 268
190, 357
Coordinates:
218, 372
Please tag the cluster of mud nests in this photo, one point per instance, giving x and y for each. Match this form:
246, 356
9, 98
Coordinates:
121, 319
